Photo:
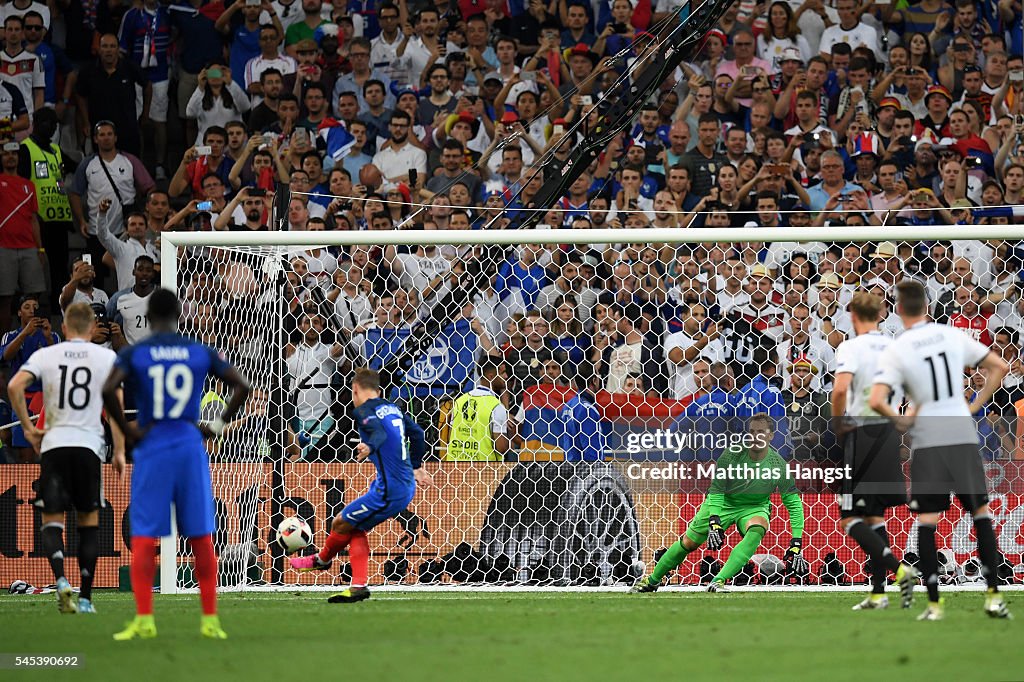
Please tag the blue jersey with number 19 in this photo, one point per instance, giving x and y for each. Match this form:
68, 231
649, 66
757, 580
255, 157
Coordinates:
167, 376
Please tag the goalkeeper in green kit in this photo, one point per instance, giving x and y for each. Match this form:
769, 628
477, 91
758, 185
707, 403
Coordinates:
740, 493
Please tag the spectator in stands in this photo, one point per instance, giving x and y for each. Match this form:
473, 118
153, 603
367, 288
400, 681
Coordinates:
527, 362
683, 348
400, 155
832, 182
106, 95
619, 348
312, 19
384, 48
362, 74
217, 100
145, 39
270, 57
127, 308
808, 409
703, 158
194, 167
245, 34
253, 207
801, 341
125, 253
81, 288
22, 256
312, 363
266, 113
198, 42
34, 332
583, 437
108, 174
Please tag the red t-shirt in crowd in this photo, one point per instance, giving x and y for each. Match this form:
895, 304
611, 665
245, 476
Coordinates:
17, 208
976, 327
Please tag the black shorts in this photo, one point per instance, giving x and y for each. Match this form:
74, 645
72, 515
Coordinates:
69, 479
872, 451
937, 472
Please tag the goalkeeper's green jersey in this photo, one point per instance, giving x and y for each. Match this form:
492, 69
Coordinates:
742, 483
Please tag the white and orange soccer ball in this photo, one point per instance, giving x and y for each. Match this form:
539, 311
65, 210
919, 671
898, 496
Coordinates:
294, 534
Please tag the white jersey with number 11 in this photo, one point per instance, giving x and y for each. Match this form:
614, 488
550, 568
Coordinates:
928, 361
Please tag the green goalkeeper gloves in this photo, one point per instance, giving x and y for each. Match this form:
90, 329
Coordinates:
716, 534
795, 557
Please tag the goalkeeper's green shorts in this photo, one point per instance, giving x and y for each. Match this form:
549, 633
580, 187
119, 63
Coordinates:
697, 530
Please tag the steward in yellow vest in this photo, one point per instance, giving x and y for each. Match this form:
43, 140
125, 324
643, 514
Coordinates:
41, 161
479, 421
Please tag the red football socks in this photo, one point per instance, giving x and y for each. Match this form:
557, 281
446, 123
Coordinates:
206, 572
142, 571
359, 553
335, 543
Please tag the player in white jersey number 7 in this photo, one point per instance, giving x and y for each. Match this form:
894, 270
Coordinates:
927, 362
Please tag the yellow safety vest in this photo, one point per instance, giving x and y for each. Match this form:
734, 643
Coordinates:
471, 439
47, 174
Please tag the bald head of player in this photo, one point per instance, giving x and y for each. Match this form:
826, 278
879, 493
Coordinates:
79, 321
911, 302
163, 311
365, 385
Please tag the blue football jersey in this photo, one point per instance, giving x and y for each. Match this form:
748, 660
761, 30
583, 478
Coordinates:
384, 427
167, 376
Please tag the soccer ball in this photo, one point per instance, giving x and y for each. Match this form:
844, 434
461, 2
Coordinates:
294, 534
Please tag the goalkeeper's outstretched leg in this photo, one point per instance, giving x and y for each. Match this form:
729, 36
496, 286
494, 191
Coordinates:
673, 557
753, 531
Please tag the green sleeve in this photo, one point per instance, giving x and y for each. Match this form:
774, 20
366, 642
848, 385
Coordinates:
795, 507
785, 483
714, 503
719, 486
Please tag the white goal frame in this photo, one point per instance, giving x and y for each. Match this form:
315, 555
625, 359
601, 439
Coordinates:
171, 241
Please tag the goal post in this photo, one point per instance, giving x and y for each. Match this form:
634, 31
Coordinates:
297, 311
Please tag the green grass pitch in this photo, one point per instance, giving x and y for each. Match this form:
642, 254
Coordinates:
523, 636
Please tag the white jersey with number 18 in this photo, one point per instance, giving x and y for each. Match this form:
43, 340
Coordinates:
72, 374
859, 356
928, 362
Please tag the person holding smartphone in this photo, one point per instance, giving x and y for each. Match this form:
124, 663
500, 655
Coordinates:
81, 287
34, 332
395, 160
217, 100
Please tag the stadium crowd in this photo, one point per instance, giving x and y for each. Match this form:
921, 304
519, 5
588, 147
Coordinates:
122, 120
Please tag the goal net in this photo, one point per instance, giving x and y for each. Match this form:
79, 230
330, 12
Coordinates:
595, 446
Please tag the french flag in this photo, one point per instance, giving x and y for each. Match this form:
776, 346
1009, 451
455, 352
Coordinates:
337, 138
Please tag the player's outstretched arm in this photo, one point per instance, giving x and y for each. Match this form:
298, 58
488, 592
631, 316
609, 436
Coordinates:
16, 392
